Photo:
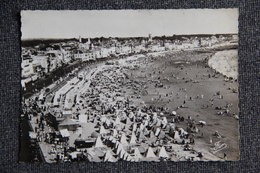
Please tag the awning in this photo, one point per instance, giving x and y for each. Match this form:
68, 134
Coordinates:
65, 133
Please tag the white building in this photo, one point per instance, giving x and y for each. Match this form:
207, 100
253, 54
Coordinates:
27, 68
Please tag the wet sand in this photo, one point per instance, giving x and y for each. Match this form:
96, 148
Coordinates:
182, 69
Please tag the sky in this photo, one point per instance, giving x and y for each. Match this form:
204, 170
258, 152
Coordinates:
127, 23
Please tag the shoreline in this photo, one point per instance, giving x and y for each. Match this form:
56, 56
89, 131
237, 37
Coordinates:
190, 68
225, 62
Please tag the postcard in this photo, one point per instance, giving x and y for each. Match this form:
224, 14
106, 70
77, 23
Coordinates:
129, 85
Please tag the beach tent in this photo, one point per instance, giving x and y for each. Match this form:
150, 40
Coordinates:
102, 130
133, 139
119, 148
128, 121
141, 135
95, 121
103, 118
158, 123
165, 120
137, 155
162, 153
125, 156
107, 122
146, 131
117, 121
123, 139
151, 135
141, 127
146, 123
98, 142
161, 135
149, 153
129, 158
131, 115
117, 143
108, 157
122, 153
133, 119
114, 132
134, 127
176, 135
155, 115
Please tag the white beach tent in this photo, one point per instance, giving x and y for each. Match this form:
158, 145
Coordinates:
125, 156
117, 121
122, 153
108, 157
134, 127
176, 135
132, 139
151, 134
117, 143
137, 155
123, 139
114, 132
102, 130
141, 135
119, 148
149, 153
161, 135
142, 126
98, 142
162, 153
128, 121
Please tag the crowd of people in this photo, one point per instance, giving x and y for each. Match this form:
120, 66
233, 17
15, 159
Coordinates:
123, 128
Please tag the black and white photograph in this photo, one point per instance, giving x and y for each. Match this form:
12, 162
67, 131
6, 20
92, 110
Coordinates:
129, 85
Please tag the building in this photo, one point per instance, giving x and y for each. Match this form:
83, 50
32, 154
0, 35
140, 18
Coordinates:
27, 67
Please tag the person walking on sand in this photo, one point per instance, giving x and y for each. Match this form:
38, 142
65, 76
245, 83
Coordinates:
225, 156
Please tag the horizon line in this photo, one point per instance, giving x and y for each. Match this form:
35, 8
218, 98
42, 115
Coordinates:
39, 38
